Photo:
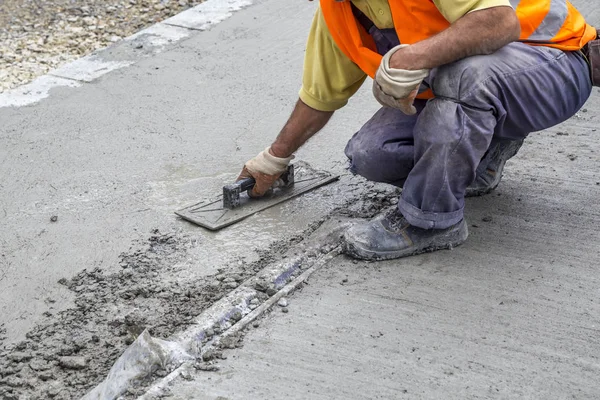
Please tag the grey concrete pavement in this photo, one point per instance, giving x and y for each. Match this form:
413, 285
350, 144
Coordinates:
513, 313
114, 159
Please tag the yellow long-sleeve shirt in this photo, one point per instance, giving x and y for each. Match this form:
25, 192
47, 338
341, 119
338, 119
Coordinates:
331, 78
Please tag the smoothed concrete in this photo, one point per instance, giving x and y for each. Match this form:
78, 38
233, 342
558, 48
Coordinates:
513, 313
114, 159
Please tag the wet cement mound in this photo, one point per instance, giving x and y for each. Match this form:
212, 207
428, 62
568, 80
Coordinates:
68, 356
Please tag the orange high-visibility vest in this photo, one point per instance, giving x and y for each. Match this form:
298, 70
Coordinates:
554, 23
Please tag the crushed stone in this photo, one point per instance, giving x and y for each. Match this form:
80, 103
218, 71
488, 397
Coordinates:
282, 302
72, 362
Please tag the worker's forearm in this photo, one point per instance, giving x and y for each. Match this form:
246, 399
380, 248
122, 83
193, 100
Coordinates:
479, 32
301, 126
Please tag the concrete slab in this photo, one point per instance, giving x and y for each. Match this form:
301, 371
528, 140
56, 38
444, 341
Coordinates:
112, 160
513, 313
115, 159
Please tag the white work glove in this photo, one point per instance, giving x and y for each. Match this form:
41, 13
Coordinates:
266, 169
397, 88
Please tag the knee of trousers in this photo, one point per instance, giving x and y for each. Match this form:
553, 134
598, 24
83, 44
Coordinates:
436, 130
377, 164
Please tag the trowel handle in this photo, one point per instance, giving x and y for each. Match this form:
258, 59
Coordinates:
231, 193
246, 184
287, 179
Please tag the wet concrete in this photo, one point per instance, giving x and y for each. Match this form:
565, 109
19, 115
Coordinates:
113, 159
512, 313
500, 317
67, 354
91, 251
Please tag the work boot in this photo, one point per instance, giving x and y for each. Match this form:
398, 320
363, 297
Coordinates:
489, 171
391, 236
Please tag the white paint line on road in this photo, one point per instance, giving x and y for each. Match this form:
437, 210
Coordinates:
160, 35
33, 92
88, 68
207, 14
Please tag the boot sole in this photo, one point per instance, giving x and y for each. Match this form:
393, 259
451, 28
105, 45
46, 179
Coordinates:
449, 241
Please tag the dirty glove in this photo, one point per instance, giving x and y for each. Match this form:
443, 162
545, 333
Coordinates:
266, 169
397, 88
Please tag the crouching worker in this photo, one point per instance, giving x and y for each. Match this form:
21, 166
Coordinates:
461, 82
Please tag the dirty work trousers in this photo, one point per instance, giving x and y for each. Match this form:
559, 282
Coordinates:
434, 154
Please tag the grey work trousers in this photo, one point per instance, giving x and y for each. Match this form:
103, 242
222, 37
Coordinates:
434, 154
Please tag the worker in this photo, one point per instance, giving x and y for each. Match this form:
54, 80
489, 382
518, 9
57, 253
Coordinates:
461, 82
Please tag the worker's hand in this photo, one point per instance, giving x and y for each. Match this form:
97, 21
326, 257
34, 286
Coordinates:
405, 105
397, 88
266, 169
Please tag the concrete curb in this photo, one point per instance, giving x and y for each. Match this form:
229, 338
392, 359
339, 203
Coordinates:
146, 43
225, 313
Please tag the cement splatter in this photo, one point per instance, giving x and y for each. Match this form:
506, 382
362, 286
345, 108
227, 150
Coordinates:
73, 351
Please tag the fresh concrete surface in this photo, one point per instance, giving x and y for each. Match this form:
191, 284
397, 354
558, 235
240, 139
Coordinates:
444, 326
511, 314
115, 158
519, 322
514, 313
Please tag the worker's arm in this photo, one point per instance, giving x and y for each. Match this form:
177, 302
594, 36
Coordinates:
301, 126
268, 165
478, 32
330, 78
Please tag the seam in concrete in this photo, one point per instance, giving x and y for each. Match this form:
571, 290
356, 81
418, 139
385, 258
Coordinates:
184, 27
65, 77
158, 389
235, 310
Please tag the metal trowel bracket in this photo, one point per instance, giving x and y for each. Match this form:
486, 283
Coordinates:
215, 214
231, 193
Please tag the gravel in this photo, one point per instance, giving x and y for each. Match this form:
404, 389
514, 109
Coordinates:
282, 302
37, 36
71, 362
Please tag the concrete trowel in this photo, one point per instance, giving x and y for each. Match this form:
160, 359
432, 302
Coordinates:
235, 204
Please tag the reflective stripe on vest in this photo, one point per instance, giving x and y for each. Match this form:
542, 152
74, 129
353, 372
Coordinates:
556, 13
551, 25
